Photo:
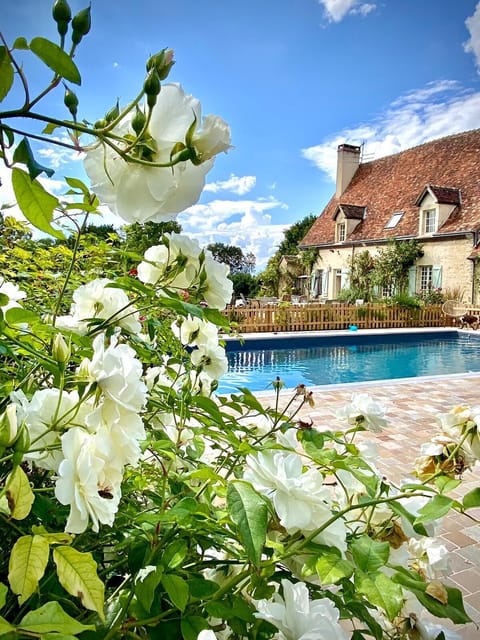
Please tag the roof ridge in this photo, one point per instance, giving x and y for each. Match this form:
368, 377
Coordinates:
423, 144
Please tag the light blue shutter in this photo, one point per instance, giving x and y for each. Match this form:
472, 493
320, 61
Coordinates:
344, 278
412, 280
325, 283
437, 276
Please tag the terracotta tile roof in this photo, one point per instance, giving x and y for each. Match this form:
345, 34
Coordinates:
449, 166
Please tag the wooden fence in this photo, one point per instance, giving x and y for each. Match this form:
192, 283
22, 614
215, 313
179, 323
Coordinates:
319, 317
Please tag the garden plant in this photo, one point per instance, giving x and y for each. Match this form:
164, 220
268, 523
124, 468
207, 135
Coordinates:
137, 502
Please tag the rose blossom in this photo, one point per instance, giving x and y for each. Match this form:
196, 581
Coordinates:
194, 331
118, 373
97, 300
301, 500
13, 292
46, 415
87, 482
364, 411
297, 617
139, 193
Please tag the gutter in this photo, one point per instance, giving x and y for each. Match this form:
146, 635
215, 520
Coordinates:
359, 243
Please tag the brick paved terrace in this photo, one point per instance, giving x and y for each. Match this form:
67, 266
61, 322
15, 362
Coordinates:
411, 409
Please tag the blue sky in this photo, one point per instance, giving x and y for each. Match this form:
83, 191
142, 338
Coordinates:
293, 78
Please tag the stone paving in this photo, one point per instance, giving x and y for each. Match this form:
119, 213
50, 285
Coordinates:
411, 409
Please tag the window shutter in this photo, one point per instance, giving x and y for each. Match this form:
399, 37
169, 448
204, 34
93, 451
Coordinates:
325, 283
437, 276
412, 280
344, 278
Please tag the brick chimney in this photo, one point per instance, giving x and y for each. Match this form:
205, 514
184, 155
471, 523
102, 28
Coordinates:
348, 159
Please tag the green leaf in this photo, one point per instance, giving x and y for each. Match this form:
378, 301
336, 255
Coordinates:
24, 155
201, 588
434, 509
472, 499
5, 627
36, 203
454, 608
175, 553
77, 573
20, 43
53, 538
445, 484
17, 315
51, 618
331, 569
191, 627
19, 494
3, 594
381, 591
369, 555
6, 73
400, 510
77, 184
249, 512
146, 584
50, 128
28, 561
177, 590
55, 58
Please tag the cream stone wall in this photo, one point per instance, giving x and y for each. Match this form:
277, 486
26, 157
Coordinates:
457, 270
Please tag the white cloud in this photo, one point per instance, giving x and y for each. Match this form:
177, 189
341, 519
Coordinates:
336, 10
235, 184
244, 223
473, 44
364, 9
439, 109
57, 155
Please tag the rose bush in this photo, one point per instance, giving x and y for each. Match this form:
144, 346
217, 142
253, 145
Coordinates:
136, 501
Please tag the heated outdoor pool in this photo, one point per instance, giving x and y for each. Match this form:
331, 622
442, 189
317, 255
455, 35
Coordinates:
320, 360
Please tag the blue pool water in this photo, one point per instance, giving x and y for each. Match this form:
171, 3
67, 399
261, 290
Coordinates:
350, 358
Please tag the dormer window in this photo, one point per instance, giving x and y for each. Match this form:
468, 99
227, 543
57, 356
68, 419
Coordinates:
436, 205
429, 221
341, 231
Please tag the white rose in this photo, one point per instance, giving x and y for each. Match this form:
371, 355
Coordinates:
212, 360
97, 300
159, 259
301, 500
13, 292
213, 138
138, 193
219, 287
364, 410
298, 617
48, 413
194, 331
118, 373
87, 482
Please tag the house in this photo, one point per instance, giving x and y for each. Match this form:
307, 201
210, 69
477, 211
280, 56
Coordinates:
430, 192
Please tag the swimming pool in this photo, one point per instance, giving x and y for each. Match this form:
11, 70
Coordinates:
353, 357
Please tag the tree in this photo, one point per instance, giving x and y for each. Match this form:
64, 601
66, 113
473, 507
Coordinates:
294, 235
362, 266
233, 256
289, 246
244, 284
393, 262
138, 237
